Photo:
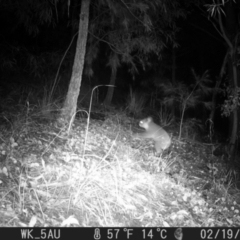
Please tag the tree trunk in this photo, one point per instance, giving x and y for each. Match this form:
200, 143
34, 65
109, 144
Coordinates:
215, 92
74, 15
228, 31
173, 65
70, 104
110, 91
231, 37
234, 129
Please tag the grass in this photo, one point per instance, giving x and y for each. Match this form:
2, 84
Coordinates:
49, 178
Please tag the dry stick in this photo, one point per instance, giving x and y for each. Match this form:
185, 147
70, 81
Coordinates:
72, 118
89, 111
60, 64
88, 121
55, 82
39, 204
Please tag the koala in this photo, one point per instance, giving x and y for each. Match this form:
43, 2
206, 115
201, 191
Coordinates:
153, 131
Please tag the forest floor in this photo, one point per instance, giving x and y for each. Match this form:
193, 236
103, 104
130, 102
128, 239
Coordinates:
92, 175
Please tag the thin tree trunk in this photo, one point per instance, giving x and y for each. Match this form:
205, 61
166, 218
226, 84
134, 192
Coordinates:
173, 65
70, 104
231, 37
229, 34
74, 15
215, 92
234, 130
110, 91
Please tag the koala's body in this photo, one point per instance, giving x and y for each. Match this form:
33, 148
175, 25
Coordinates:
153, 131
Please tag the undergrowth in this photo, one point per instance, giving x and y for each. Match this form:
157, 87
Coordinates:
51, 178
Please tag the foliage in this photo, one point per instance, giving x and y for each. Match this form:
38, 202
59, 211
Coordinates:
166, 116
133, 30
21, 60
183, 97
232, 102
43, 65
216, 7
12, 57
48, 106
191, 127
135, 103
179, 95
33, 13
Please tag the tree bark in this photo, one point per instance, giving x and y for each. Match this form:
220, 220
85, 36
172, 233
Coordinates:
231, 37
234, 130
113, 63
229, 33
70, 104
108, 99
215, 92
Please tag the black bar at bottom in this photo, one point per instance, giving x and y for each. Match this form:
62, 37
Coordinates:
126, 233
